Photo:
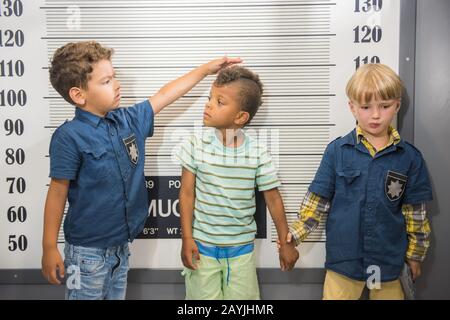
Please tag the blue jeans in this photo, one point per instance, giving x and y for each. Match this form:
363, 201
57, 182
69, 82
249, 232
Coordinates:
96, 273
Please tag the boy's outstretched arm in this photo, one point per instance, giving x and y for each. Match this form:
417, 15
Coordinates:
178, 87
189, 250
288, 254
52, 262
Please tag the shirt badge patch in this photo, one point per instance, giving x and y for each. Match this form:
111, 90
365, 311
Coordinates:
132, 149
395, 185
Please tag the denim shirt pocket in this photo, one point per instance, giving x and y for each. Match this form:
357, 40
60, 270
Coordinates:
349, 175
96, 162
348, 183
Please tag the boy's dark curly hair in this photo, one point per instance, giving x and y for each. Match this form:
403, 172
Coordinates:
251, 87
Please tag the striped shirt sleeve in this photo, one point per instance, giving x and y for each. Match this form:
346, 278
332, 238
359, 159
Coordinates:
311, 211
186, 155
418, 230
266, 173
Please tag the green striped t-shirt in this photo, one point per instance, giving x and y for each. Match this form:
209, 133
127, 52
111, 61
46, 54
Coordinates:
225, 184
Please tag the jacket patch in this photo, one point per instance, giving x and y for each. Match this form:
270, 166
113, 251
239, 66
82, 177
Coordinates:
395, 185
132, 148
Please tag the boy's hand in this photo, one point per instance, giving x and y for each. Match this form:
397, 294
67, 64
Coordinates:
416, 269
288, 256
180, 86
215, 66
288, 253
288, 240
52, 266
189, 253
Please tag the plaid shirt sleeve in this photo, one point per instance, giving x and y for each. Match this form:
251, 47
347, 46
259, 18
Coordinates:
418, 230
311, 211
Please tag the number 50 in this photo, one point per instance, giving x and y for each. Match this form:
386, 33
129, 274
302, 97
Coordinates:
21, 243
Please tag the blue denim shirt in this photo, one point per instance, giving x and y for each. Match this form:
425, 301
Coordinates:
104, 160
365, 225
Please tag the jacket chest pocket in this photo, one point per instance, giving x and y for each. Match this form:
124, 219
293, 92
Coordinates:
348, 182
96, 163
349, 176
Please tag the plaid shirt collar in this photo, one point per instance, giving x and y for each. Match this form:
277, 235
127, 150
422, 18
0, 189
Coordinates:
394, 136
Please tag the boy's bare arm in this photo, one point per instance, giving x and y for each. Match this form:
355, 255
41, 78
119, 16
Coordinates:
288, 254
187, 198
52, 261
179, 87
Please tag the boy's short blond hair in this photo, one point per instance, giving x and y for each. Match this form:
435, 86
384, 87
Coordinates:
374, 81
72, 64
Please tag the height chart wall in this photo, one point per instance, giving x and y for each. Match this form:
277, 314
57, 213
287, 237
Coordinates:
304, 51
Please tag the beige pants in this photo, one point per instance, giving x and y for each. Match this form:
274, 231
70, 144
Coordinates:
339, 287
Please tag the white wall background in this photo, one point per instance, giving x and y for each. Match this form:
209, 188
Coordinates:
305, 51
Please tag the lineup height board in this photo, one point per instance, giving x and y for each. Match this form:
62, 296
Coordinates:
304, 51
